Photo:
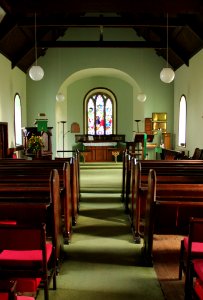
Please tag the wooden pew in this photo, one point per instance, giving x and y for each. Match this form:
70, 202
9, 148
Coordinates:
66, 197
126, 178
32, 212
168, 154
26, 255
177, 199
8, 291
74, 190
178, 172
75, 185
147, 248
135, 199
35, 174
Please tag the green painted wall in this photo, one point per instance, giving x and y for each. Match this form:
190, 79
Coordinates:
134, 70
124, 71
12, 81
189, 82
122, 91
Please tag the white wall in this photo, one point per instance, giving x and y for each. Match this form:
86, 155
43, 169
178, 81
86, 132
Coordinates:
12, 81
189, 81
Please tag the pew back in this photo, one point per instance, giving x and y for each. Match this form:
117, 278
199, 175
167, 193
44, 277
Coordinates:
178, 196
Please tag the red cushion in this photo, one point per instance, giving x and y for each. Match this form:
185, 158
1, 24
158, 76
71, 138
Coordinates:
28, 258
196, 247
198, 267
27, 284
24, 298
198, 287
8, 222
4, 296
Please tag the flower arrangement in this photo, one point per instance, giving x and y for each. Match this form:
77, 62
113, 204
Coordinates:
35, 144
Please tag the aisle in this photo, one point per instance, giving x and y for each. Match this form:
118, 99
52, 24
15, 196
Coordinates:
102, 261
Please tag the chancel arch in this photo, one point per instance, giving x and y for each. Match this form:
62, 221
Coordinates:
82, 83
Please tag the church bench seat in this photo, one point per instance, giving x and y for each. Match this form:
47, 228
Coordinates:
191, 259
179, 171
27, 286
32, 213
8, 290
26, 255
175, 203
34, 187
147, 249
35, 174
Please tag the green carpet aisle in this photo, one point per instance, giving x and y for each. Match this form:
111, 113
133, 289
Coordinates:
102, 262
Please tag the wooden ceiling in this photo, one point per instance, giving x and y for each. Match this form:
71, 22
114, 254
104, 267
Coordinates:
147, 18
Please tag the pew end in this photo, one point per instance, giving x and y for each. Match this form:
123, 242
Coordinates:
147, 248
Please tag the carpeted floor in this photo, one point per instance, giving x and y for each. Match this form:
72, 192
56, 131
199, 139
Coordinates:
102, 262
166, 249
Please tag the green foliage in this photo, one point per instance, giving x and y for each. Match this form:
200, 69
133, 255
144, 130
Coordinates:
35, 143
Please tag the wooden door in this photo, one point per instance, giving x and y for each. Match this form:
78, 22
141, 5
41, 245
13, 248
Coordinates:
148, 125
167, 140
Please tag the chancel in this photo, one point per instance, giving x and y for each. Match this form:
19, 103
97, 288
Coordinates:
99, 148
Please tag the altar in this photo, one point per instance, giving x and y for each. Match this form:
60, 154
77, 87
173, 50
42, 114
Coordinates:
99, 148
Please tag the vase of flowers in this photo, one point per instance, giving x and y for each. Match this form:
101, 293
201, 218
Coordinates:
35, 145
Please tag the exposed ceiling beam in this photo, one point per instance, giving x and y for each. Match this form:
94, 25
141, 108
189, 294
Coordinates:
128, 6
102, 44
147, 18
84, 21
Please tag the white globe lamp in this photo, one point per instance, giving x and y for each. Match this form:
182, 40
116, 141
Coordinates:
167, 75
141, 97
60, 97
36, 73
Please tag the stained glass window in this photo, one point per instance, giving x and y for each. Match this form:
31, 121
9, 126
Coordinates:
100, 114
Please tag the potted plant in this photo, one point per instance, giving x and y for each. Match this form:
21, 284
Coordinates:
35, 145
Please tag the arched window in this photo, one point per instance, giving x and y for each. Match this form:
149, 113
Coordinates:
182, 122
18, 122
100, 112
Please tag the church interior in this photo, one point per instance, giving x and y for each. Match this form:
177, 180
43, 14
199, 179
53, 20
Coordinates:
101, 151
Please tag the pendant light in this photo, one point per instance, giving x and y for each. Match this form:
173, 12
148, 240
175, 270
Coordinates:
141, 97
60, 97
36, 72
167, 75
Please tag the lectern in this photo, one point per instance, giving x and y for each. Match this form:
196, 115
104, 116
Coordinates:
140, 145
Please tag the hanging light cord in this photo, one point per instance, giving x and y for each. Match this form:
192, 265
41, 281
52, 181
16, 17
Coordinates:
167, 40
35, 39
